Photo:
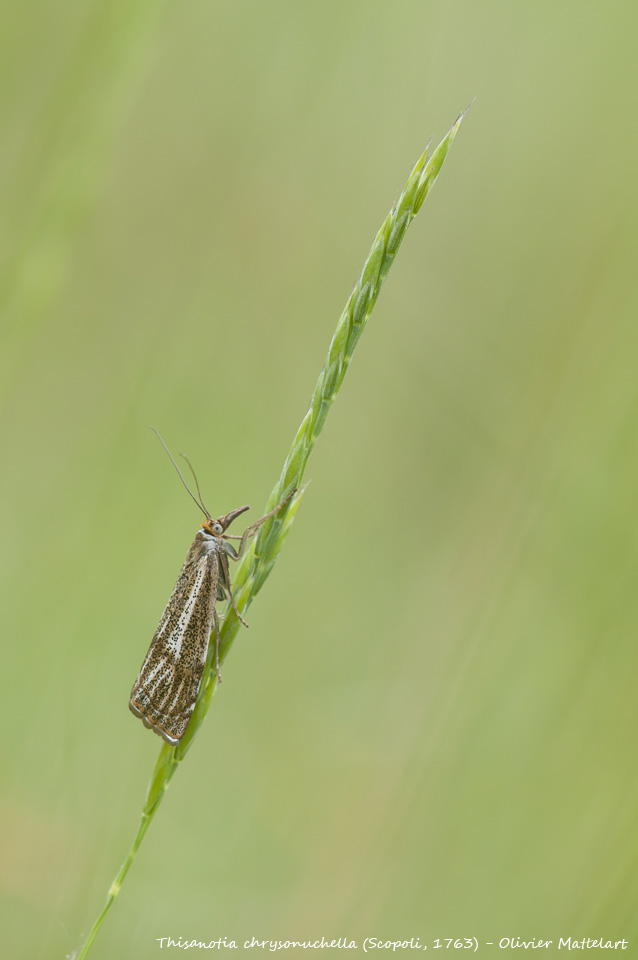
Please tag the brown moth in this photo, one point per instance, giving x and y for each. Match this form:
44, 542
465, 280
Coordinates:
165, 691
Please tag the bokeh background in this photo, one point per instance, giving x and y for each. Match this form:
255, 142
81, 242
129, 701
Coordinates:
430, 728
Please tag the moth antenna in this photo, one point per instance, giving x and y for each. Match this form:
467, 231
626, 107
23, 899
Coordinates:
193, 497
190, 467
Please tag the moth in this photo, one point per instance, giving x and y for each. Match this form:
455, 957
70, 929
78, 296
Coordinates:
166, 688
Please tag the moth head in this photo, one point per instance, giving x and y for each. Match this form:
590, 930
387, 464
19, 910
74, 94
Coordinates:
218, 527
213, 526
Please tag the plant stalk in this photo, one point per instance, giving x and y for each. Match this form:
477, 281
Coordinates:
260, 558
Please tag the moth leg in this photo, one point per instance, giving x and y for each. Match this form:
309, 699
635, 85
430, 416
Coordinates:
252, 529
217, 671
223, 560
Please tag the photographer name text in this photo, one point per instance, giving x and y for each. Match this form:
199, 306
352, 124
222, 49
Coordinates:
377, 943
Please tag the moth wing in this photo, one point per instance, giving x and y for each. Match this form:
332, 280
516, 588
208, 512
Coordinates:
165, 691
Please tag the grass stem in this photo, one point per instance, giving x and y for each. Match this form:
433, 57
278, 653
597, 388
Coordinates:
260, 559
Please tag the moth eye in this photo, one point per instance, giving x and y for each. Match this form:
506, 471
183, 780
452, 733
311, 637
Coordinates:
217, 527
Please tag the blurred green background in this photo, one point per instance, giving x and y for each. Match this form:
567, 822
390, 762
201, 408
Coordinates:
430, 728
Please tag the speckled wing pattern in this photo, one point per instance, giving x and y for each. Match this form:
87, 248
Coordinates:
166, 689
